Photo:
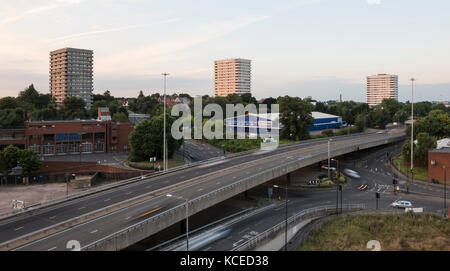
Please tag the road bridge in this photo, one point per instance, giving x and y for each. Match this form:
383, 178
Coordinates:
130, 213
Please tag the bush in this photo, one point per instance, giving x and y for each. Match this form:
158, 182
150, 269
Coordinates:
328, 133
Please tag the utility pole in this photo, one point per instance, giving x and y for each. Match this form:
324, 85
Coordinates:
165, 74
445, 193
412, 128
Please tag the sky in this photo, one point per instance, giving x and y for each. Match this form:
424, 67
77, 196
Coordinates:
318, 48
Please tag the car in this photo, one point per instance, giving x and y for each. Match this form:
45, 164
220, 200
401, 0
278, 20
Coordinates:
401, 204
331, 168
351, 173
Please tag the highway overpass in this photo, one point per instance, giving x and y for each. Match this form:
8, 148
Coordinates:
117, 218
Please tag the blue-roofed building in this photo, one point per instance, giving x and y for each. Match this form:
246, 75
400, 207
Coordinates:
253, 125
323, 121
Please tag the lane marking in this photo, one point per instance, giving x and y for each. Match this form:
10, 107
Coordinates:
107, 199
81, 208
53, 217
19, 228
94, 231
154, 210
50, 249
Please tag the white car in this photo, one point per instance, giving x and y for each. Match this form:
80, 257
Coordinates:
401, 204
351, 173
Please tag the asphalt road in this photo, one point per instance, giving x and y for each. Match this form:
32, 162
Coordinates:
373, 172
93, 230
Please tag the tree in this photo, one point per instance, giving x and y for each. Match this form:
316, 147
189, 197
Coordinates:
295, 115
120, 117
147, 139
425, 142
8, 103
400, 116
73, 108
10, 118
361, 121
29, 161
11, 156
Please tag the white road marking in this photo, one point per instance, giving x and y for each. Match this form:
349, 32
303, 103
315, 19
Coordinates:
200, 189
51, 249
107, 199
235, 244
81, 208
19, 228
53, 217
94, 231
128, 218
128, 193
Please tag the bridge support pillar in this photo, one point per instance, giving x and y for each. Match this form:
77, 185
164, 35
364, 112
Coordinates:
183, 226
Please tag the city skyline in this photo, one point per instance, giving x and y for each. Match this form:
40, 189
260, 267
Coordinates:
297, 59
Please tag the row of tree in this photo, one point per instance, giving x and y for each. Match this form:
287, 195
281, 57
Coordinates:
32, 105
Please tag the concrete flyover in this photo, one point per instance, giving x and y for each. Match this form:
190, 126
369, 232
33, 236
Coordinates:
143, 229
204, 185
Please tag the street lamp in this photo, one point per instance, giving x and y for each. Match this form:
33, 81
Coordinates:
337, 185
286, 223
187, 217
165, 74
412, 129
329, 140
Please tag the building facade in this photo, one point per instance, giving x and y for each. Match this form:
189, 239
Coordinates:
232, 76
66, 137
381, 86
323, 121
439, 161
71, 74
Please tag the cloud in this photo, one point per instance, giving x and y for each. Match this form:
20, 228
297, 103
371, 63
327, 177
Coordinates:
137, 59
15, 11
68, 38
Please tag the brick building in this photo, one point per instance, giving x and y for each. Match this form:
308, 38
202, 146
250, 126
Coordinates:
70, 136
437, 160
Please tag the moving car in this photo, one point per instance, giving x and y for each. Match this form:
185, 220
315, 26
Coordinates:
401, 204
351, 173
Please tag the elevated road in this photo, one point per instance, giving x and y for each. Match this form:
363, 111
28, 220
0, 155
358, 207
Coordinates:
158, 211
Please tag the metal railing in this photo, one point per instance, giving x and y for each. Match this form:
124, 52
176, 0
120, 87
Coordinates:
294, 220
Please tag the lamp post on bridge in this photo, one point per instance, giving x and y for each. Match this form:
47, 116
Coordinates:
187, 217
286, 220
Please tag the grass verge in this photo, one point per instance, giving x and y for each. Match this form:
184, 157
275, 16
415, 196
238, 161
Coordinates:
394, 232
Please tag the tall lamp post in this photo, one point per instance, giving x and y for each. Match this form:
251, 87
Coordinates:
412, 129
187, 217
165, 74
337, 185
329, 141
286, 222
445, 192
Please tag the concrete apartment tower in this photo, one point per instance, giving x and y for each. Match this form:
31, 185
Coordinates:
71, 74
381, 86
232, 76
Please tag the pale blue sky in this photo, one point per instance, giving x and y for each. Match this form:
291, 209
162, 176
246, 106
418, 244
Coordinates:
316, 48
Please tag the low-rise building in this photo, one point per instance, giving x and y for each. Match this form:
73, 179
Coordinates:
66, 137
439, 161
